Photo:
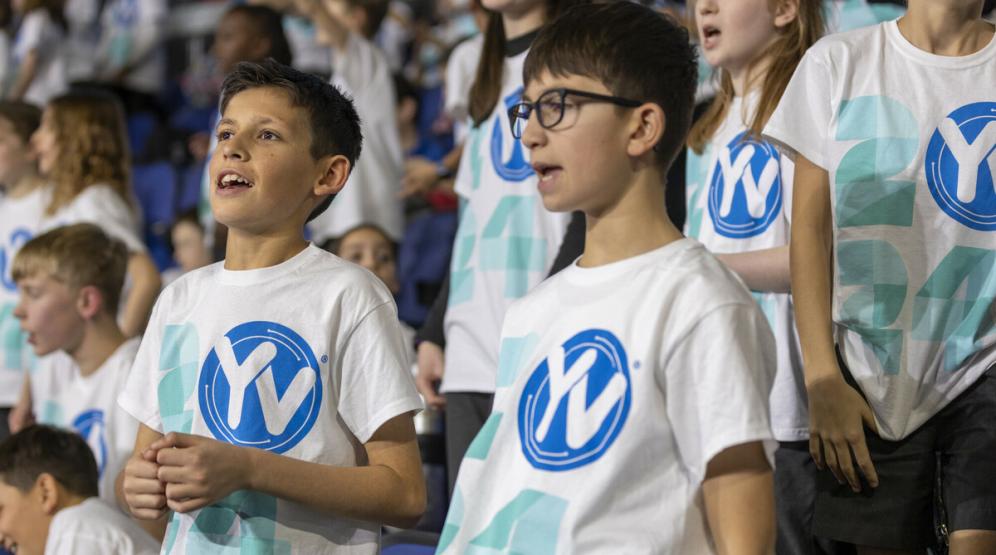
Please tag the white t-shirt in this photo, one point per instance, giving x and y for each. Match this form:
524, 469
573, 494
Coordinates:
39, 33
88, 406
82, 39
132, 34
739, 193
19, 219
505, 243
914, 246
308, 54
616, 387
314, 350
100, 205
461, 69
847, 15
93, 526
371, 193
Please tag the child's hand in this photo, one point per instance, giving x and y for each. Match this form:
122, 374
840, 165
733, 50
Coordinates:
836, 414
144, 493
199, 471
430, 373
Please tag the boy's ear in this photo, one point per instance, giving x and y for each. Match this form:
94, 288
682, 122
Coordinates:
785, 12
89, 302
337, 168
647, 129
47, 490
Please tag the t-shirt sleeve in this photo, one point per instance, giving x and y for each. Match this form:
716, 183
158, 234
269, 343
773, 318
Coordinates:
100, 205
376, 381
801, 122
140, 395
718, 397
31, 34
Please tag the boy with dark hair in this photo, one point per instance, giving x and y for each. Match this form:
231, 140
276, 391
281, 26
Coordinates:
70, 280
48, 489
273, 388
618, 423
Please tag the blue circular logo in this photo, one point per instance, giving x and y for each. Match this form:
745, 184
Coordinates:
512, 166
17, 238
960, 163
260, 386
745, 194
91, 427
576, 402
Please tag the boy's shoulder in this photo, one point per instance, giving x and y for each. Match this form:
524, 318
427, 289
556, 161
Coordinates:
683, 274
835, 46
94, 523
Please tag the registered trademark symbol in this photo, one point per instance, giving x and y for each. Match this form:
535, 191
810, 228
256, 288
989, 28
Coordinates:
636, 365
325, 358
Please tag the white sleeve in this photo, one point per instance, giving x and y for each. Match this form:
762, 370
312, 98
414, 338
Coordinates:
140, 395
718, 397
801, 122
376, 383
31, 34
357, 64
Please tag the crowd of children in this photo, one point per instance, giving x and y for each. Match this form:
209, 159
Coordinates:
798, 359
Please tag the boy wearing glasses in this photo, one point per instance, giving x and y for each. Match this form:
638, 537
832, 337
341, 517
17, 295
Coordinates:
632, 389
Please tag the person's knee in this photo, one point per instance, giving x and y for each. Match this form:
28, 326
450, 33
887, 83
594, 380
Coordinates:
973, 542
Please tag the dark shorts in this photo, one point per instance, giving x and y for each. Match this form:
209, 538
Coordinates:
466, 413
941, 475
795, 496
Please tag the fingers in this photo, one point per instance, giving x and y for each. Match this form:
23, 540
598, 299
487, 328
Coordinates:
830, 456
845, 465
188, 505
182, 492
427, 388
864, 462
140, 469
816, 450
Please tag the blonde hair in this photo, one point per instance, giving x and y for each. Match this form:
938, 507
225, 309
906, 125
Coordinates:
93, 149
77, 256
785, 53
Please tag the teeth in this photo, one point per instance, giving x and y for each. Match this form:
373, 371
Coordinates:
233, 178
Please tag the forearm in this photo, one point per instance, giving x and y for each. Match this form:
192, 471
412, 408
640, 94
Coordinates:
765, 270
373, 493
330, 31
145, 286
25, 75
738, 493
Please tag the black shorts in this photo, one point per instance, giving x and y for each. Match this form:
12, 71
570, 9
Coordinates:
945, 469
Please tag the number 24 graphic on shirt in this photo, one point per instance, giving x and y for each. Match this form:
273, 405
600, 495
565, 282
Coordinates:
260, 386
576, 402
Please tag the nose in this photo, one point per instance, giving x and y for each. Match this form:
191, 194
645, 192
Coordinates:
233, 148
533, 135
703, 7
19, 311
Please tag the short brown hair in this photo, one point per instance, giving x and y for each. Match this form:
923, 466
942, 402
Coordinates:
634, 51
38, 450
23, 117
77, 256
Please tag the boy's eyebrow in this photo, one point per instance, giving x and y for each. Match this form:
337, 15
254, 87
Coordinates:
261, 120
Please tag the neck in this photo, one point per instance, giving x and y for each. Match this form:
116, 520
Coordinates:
946, 28
518, 24
101, 338
750, 76
250, 251
24, 184
635, 224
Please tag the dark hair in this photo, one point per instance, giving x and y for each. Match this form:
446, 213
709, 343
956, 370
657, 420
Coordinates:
335, 126
269, 23
38, 450
376, 11
634, 51
334, 245
486, 89
23, 117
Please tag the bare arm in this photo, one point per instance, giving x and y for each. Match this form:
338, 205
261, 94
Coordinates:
738, 491
138, 489
331, 31
25, 75
836, 410
145, 286
765, 270
390, 489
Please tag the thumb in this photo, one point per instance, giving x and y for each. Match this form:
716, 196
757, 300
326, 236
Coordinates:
868, 417
174, 439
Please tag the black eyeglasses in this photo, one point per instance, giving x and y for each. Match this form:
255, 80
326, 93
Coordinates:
552, 107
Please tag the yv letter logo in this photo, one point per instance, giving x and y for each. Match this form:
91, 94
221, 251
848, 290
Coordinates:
90, 425
575, 402
960, 165
17, 238
745, 194
260, 386
511, 165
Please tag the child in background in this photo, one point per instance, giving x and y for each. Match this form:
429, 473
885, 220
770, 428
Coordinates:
187, 241
82, 151
70, 280
369, 246
506, 242
739, 192
273, 388
360, 69
48, 499
632, 390
21, 204
38, 51
893, 130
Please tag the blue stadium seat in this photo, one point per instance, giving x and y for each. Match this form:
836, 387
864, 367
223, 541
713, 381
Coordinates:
155, 188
